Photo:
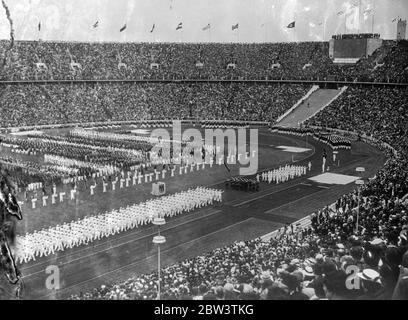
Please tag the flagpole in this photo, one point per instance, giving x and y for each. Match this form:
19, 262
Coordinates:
359, 16
323, 28
372, 19
209, 19
124, 33
345, 22
153, 32
294, 34
264, 32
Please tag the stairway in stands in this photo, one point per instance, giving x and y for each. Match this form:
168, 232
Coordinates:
313, 102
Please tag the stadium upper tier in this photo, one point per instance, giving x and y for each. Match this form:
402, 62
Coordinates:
33, 104
39, 60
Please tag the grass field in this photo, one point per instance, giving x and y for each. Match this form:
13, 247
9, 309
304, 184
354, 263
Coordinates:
241, 216
85, 204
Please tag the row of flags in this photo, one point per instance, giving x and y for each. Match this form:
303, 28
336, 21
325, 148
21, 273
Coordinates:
180, 26
208, 26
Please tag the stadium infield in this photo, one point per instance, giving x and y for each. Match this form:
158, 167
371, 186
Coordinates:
86, 205
241, 216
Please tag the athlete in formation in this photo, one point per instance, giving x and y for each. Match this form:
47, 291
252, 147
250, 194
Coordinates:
283, 174
83, 231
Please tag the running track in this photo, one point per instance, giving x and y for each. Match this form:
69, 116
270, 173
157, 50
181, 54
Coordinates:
241, 216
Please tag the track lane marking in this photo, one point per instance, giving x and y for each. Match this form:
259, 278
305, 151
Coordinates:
308, 195
267, 194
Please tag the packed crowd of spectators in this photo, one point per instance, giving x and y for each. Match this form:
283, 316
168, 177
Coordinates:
309, 263
335, 142
32, 104
357, 36
394, 65
313, 263
335, 258
38, 60
381, 113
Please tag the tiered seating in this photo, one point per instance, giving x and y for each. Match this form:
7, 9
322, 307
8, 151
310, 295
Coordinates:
33, 60
56, 104
313, 263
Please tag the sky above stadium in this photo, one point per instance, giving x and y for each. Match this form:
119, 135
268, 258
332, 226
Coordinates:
259, 20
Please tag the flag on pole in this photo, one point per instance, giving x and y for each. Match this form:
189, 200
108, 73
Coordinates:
96, 24
123, 28
154, 26
291, 25
39, 26
179, 26
236, 26
208, 26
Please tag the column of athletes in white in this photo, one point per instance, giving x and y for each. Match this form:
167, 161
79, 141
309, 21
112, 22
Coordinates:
92, 228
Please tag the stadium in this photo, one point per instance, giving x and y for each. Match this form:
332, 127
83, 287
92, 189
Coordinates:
115, 186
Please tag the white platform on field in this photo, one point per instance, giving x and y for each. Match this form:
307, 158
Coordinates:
334, 178
141, 131
292, 149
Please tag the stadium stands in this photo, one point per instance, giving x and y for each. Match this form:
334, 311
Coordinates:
313, 263
55, 104
39, 60
309, 263
380, 112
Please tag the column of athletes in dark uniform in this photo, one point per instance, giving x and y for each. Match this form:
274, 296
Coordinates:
119, 180
277, 176
335, 142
